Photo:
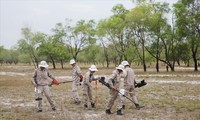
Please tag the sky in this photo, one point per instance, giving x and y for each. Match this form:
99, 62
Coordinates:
42, 15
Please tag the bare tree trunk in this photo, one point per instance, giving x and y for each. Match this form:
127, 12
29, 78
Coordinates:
61, 62
143, 54
53, 62
195, 60
157, 64
106, 55
157, 55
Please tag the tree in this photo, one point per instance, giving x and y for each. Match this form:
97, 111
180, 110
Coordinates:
101, 33
91, 53
2, 54
79, 36
187, 22
138, 20
113, 32
53, 50
58, 39
183, 53
24, 58
28, 45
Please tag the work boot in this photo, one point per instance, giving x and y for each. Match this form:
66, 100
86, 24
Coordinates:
85, 106
123, 107
108, 111
119, 112
93, 105
138, 106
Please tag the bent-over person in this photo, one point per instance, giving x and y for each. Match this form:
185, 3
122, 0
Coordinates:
114, 83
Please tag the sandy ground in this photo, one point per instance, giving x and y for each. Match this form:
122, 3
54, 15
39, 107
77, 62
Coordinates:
167, 96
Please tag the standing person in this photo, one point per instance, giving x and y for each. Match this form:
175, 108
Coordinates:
87, 87
77, 77
114, 83
129, 84
40, 81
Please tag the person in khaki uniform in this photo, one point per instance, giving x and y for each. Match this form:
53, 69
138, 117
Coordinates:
87, 87
114, 82
76, 79
40, 81
129, 84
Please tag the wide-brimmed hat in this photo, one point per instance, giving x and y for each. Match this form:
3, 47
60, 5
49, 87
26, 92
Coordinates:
72, 61
43, 64
120, 67
124, 63
93, 68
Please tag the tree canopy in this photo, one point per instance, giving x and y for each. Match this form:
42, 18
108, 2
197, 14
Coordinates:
143, 35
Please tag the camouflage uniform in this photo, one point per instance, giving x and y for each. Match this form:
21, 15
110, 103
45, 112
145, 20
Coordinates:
114, 82
129, 86
87, 88
40, 79
76, 82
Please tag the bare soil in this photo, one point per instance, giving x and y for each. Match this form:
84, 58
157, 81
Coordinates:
167, 96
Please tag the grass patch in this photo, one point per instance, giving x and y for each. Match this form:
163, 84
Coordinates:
166, 101
189, 105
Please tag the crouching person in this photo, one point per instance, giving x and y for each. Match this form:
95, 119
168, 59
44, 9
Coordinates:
40, 82
87, 87
114, 83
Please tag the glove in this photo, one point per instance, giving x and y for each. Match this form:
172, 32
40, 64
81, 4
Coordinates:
55, 82
81, 78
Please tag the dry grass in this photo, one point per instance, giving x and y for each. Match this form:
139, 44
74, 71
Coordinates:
166, 101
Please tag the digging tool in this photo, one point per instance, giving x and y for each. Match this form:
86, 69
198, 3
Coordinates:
142, 83
52, 83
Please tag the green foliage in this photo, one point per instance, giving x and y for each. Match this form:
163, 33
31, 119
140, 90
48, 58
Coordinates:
188, 17
23, 58
119, 11
91, 54
1, 54
9, 56
141, 35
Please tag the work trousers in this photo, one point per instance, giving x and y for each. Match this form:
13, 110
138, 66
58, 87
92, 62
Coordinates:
45, 90
114, 97
130, 90
87, 93
75, 94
